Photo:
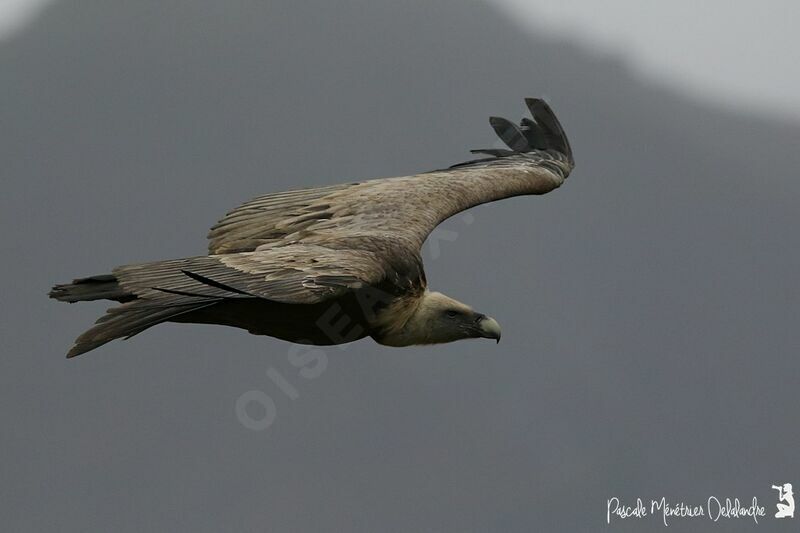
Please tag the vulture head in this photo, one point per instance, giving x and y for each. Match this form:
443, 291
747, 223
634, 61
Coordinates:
437, 319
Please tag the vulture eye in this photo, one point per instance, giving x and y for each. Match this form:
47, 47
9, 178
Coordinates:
452, 314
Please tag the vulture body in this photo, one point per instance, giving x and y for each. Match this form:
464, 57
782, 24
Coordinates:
333, 264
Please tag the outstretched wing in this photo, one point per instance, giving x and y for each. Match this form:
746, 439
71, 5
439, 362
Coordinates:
403, 210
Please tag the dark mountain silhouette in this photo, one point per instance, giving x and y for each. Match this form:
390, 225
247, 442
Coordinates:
648, 307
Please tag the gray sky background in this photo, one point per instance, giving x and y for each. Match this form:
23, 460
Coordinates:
649, 306
730, 53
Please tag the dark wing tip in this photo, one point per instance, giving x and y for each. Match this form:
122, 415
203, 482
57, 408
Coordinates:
510, 133
545, 118
542, 133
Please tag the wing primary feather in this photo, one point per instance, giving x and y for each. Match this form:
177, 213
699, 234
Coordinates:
510, 134
542, 134
533, 132
545, 117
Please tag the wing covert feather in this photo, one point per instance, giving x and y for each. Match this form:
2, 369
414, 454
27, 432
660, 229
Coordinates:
299, 274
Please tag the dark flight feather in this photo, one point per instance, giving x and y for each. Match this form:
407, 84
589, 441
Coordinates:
554, 134
216, 284
533, 132
510, 134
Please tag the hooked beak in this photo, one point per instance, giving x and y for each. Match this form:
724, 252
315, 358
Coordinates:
489, 328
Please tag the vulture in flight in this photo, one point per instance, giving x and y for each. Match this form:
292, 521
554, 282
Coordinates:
331, 265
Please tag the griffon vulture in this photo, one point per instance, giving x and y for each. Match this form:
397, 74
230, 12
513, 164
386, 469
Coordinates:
332, 264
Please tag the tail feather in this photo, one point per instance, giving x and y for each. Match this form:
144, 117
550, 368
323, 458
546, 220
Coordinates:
130, 319
143, 308
104, 287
